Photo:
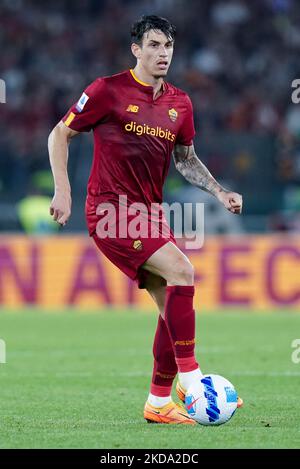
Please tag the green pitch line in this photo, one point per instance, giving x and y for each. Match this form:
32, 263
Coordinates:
76, 380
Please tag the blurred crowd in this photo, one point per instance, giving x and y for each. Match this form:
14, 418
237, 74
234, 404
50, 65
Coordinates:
237, 59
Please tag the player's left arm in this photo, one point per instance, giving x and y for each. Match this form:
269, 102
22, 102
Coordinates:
195, 172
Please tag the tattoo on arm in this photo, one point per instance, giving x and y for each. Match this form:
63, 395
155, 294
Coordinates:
194, 171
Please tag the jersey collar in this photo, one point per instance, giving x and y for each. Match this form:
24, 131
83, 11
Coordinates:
145, 86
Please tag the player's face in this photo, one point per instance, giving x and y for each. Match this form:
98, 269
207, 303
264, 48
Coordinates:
156, 53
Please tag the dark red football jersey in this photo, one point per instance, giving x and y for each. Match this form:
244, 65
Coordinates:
134, 136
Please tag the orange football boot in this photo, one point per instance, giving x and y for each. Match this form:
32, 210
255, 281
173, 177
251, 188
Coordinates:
170, 413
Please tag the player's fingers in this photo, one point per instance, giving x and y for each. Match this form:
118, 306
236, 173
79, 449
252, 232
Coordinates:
55, 214
63, 219
51, 210
236, 201
236, 205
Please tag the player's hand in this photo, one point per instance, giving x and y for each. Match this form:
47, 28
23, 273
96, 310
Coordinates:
231, 200
60, 208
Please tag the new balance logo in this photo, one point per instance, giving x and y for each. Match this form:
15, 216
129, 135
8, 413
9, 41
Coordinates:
132, 108
137, 244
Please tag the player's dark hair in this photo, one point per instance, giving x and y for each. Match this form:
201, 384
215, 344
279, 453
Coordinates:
146, 23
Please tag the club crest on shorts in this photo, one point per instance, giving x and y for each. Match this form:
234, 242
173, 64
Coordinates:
173, 114
137, 244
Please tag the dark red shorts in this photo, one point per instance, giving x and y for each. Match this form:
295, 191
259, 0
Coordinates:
129, 253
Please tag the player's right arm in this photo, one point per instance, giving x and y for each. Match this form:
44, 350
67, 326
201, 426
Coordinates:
58, 143
93, 106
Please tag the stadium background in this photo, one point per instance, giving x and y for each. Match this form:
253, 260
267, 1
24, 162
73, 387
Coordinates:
237, 60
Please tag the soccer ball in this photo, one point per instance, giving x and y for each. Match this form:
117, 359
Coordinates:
211, 401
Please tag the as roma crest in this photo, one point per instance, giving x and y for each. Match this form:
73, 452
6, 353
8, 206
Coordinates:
173, 114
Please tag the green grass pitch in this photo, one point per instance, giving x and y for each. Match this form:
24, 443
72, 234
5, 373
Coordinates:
80, 380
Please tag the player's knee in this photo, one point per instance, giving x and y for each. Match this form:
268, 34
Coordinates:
182, 273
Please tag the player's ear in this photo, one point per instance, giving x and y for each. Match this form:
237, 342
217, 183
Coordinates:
136, 50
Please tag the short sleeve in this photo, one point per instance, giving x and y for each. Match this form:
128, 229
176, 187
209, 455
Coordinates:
92, 107
186, 131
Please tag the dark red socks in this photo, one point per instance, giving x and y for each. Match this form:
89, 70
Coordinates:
180, 321
165, 368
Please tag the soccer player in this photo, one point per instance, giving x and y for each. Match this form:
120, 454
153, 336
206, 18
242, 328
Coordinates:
139, 120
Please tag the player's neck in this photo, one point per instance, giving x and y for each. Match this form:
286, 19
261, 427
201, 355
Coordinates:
156, 83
